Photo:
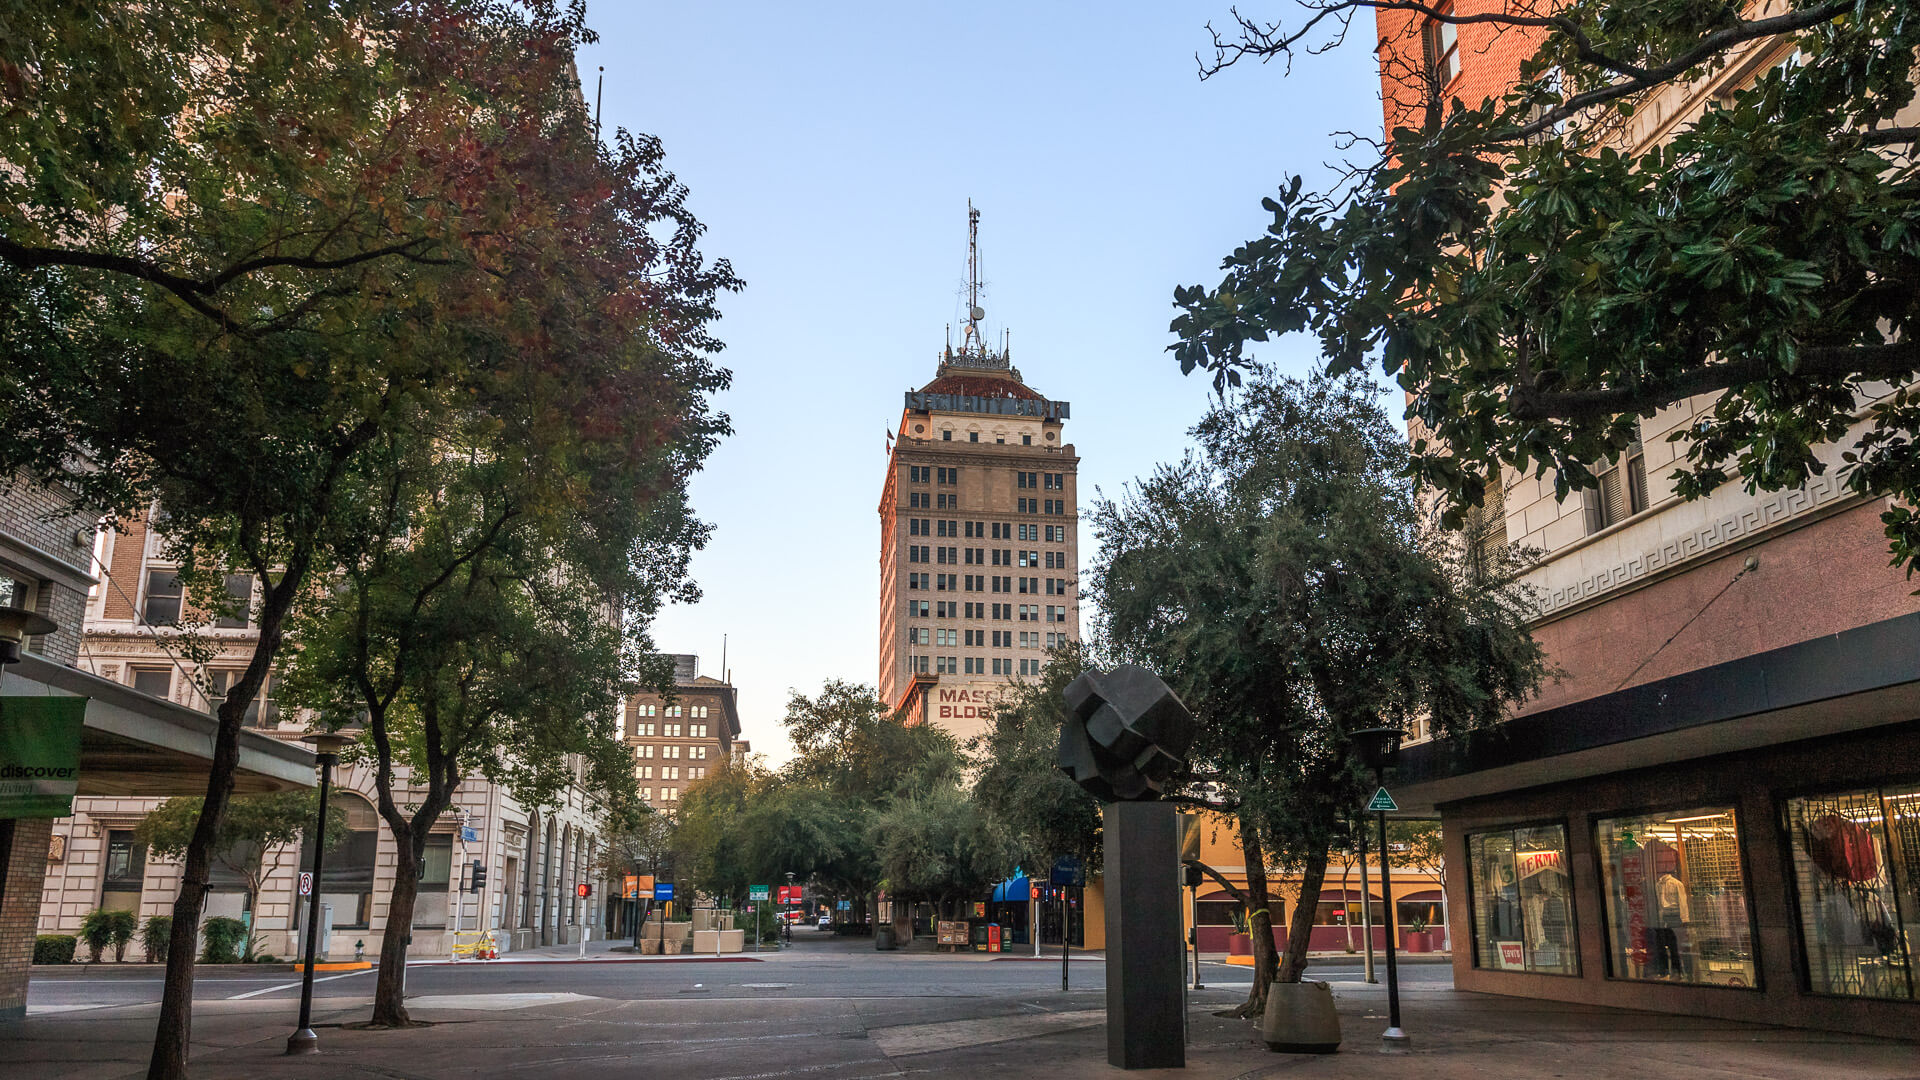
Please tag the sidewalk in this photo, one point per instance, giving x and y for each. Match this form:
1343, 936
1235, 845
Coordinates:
1029, 1036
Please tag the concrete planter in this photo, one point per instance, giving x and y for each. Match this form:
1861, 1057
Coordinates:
1418, 941
1300, 1019
718, 942
1240, 945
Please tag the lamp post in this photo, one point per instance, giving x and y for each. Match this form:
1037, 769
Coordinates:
1378, 747
786, 927
326, 747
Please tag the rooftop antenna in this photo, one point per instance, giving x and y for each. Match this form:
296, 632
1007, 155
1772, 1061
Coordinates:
598, 84
723, 658
974, 312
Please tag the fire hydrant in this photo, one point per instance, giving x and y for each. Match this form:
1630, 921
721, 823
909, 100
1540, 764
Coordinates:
359, 951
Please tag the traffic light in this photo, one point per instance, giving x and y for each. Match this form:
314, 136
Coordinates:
583, 890
479, 876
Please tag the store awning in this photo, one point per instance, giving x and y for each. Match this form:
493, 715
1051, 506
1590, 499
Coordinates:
1014, 890
1424, 896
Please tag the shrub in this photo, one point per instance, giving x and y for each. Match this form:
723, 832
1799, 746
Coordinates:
157, 938
223, 937
265, 958
54, 948
120, 928
96, 929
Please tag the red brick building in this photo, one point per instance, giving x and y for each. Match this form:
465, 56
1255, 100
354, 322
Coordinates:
1715, 809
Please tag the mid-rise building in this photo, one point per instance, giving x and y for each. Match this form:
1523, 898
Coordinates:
979, 535
677, 742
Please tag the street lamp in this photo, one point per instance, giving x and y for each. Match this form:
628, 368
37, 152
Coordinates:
16, 625
326, 748
1378, 747
786, 926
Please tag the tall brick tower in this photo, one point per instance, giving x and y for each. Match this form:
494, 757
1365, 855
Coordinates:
978, 533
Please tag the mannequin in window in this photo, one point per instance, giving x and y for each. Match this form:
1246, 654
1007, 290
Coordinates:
1671, 915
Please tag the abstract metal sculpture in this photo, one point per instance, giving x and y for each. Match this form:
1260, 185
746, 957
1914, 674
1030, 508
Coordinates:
1126, 736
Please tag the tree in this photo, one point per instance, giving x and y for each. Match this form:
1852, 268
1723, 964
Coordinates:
713, 840
1536, 285
1038, 810
1279, 580
252, 835
305, 227
937, 846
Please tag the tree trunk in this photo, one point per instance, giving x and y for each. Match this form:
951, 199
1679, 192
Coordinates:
1346, 876
174, 1034
1300, 930
389, 993
1259, 920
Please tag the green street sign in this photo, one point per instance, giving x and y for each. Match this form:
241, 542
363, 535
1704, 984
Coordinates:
39, 755
758, 892
1381, 802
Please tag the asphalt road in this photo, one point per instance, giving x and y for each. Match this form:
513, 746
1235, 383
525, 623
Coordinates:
826, 968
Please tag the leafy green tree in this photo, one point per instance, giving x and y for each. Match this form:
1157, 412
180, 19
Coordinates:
1038, 810
938, 846
1537, 286
712, 839
253, 834
306, 227
1278, 578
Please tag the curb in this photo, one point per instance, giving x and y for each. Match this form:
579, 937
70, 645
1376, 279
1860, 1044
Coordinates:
592, 960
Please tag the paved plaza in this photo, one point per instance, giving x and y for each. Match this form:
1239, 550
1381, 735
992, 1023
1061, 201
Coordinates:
832, 1009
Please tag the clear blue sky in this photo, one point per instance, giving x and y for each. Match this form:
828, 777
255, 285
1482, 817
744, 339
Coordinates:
831, 150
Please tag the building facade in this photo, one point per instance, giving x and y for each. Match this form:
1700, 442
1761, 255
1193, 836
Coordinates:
676, 742
534, 859
979, 538
128, 743
1715, 809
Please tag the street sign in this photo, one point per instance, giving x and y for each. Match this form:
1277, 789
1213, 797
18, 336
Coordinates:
663, 890
758, 892
1068, 871
844, 905
1381, 802
306, 884
469, 834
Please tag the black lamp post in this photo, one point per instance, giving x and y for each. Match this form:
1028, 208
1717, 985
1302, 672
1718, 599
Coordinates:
1378, 747
326, 747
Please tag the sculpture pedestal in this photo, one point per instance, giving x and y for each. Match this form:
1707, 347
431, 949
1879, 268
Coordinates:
1146, 992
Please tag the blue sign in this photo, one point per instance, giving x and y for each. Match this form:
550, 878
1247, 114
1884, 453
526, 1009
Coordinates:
1068, 871
469, 834
663, 890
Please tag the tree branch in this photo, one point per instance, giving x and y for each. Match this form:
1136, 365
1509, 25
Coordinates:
1891, 360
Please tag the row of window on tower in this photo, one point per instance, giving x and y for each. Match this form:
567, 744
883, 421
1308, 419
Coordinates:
951, 609
975, 665
670, 772
932, 474
1052, 481
699, 711
955, 556
928, 500
648, 728
697, 753
977, 583
987, 639
986, 530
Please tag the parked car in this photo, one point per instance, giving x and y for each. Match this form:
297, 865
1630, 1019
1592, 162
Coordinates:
826, 920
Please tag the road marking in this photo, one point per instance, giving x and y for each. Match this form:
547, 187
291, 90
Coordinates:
291, 985
494, 1002
954, 1034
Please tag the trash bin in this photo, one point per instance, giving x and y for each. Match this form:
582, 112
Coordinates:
883, 938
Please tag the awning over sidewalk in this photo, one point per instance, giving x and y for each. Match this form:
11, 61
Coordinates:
1014, 890
134, 744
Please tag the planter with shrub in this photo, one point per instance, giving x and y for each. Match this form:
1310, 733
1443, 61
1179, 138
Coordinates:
221, 938
54, 948
157, 938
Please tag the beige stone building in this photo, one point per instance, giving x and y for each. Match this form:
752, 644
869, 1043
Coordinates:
534, 858
675, 743
979, 539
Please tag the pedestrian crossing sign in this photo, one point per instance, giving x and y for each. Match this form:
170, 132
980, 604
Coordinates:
1382, 802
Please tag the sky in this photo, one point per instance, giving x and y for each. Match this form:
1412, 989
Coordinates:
830, 150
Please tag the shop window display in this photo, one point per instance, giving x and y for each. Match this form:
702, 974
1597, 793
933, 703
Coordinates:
1676, 897
1856, 872
1522, 904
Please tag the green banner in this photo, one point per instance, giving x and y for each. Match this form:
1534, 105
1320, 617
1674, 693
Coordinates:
39, 755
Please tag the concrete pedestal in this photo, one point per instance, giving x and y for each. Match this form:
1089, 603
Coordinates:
1146, 995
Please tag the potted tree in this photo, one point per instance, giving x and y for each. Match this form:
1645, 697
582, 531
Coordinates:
1417, 939
1240, 942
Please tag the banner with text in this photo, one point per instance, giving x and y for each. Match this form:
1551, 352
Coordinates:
39, 755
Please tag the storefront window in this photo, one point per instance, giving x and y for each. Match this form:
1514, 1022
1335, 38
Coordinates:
1522, 907
1676, 898
1856, 870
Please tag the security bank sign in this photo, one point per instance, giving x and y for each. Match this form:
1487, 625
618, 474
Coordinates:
39, 755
